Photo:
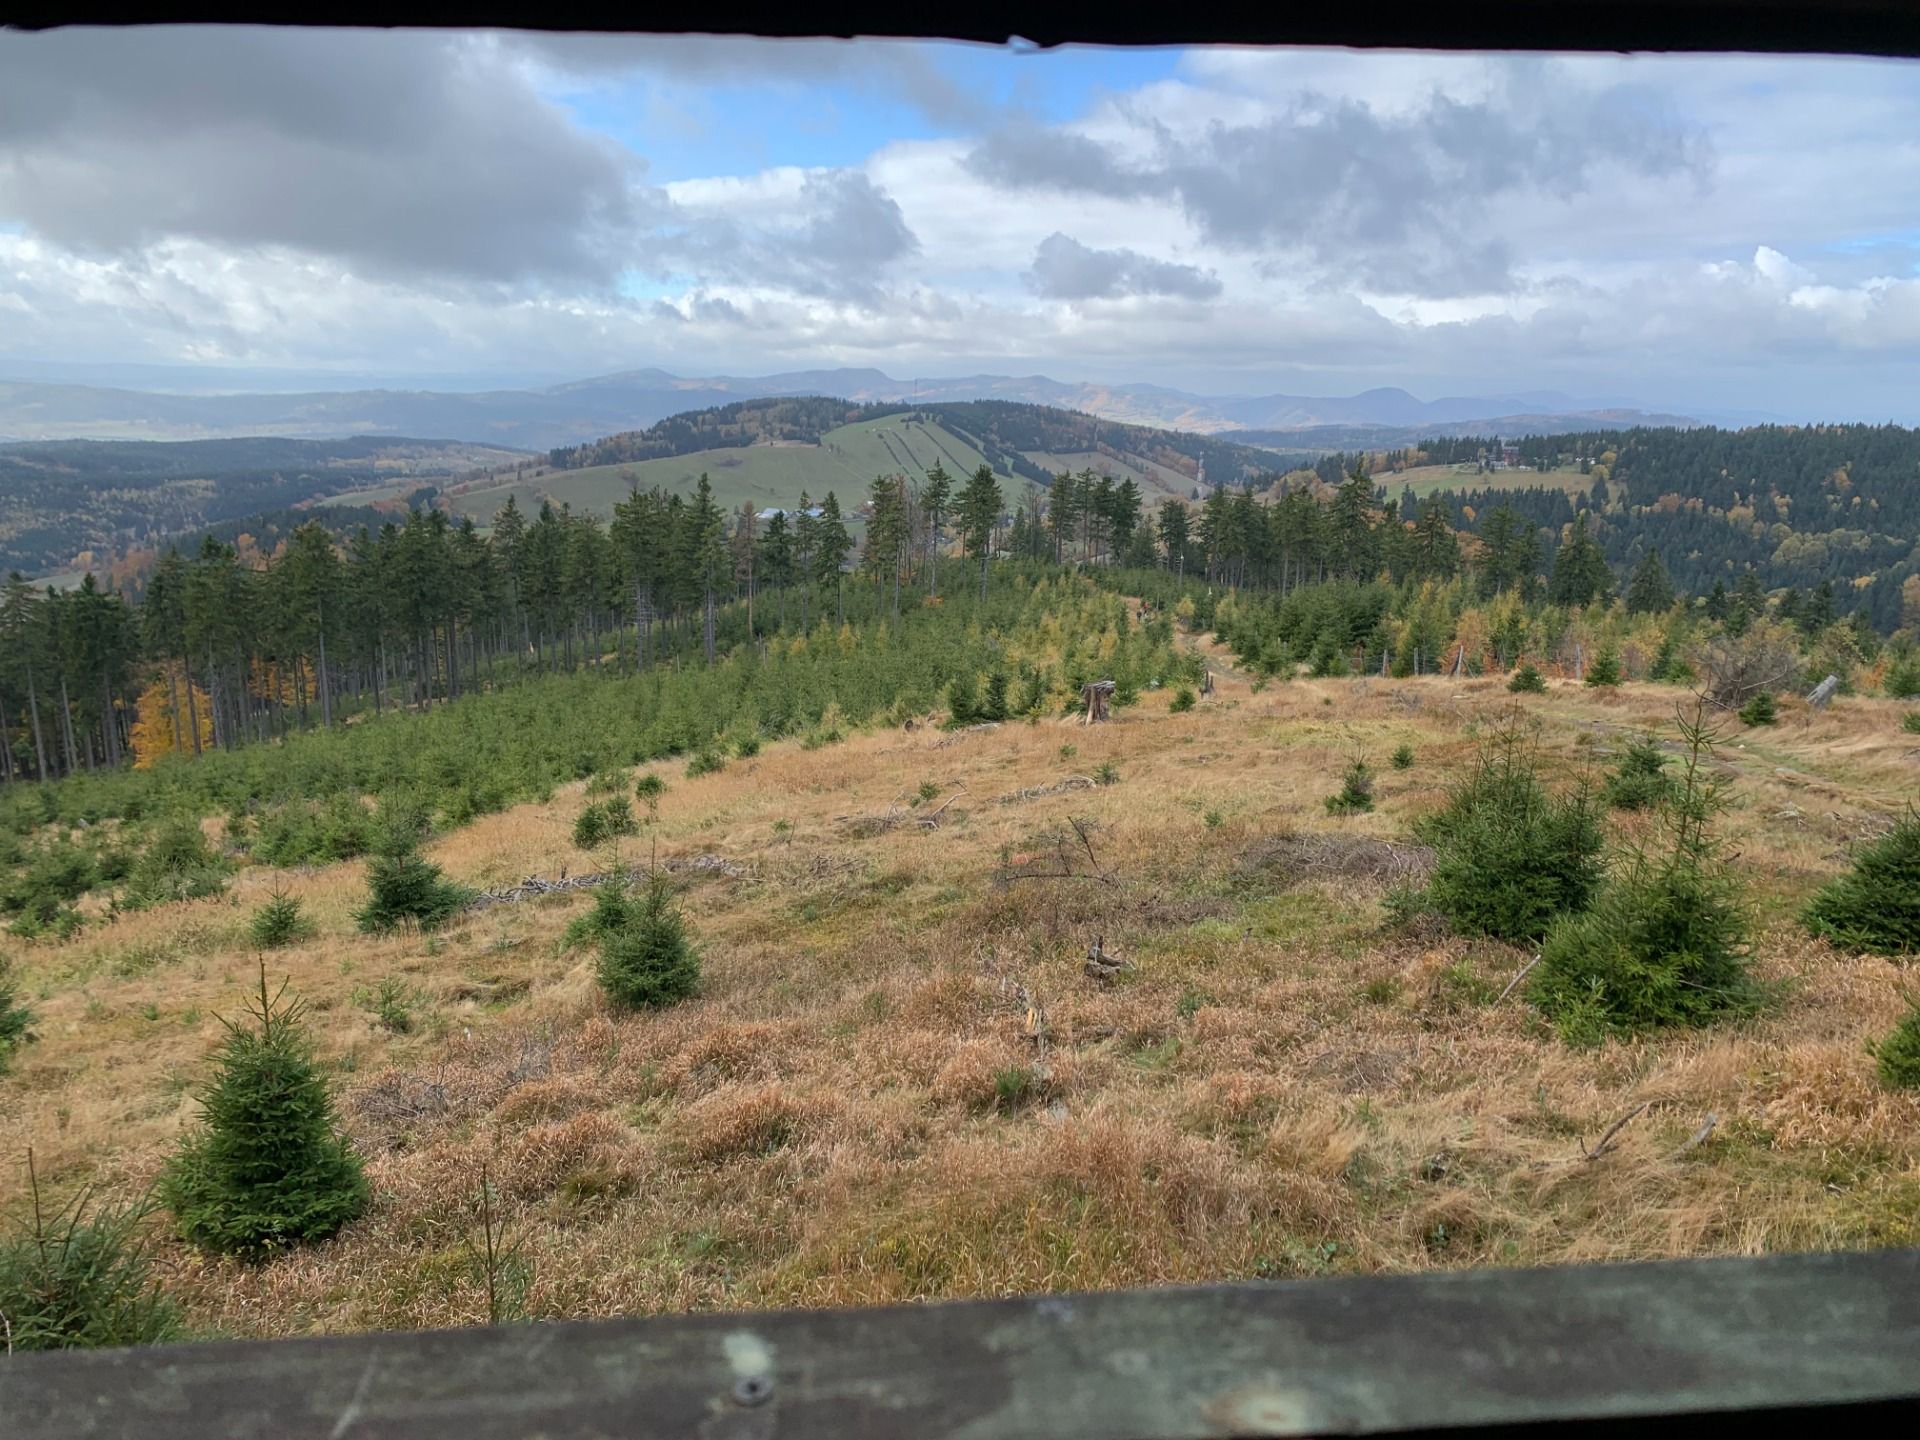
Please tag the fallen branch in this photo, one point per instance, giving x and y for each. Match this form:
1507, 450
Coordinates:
1082, 829
1518, 978
1606, 1140
1699, 1137
1059, 787
1102, 966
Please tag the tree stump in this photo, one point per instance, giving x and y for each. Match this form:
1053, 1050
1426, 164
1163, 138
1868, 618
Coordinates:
1206, 681
1096, 697
1823, 692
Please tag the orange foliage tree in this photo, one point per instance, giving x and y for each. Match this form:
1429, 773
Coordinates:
157, 729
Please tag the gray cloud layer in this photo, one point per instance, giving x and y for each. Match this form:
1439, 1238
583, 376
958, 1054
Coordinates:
1399, 202
1064, 269
400, 153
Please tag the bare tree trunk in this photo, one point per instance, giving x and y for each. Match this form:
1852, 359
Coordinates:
39, 740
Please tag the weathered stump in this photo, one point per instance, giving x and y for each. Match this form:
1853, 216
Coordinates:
1823, 692
1096, 697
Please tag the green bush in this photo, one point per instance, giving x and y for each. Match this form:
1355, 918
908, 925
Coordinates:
1903, 676
16, 1020
1527, 681
1640, 781
1604, 671
1898, 1055
705, 762
649, 961
177, 864
1666, 940
1509, 856
1402, 758
1910, 722
267, 1167
1760, 710
1355, 795
1182, 701
74, 1281
1875, 907
603, 820
607, 782
613, 909
279, 922
391, 1003
403, 887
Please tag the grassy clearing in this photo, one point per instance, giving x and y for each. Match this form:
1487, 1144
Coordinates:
1424, 480
896, 1082
845, 461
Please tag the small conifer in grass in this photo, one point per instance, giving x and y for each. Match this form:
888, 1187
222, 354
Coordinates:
1402, 758
268, 1166
279, 922
74, 1280
603, 820
1182, 700
1875, 907
1640, 781
403, 887
1760, 710
1527, 681
16, 1020
649, 960
1604, 671
177, 864
1355, 795
1910, 722
648, 789
1666, 939
1897, 1056
1508, 854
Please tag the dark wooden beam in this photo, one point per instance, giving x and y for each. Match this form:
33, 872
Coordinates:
1876, 27
1830, 1342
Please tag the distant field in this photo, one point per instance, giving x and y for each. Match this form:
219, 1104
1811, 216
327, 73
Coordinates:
1424, 480
845, 461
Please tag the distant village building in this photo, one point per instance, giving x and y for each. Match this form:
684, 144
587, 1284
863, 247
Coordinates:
812, 511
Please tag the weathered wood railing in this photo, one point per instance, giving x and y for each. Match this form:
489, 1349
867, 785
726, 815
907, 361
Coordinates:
1817, 1340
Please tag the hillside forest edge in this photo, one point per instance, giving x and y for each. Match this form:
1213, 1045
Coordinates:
1458, 802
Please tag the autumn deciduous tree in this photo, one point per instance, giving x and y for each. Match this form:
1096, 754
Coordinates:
164, 725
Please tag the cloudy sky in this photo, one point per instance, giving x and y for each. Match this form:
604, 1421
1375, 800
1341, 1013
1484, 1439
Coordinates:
1734, 232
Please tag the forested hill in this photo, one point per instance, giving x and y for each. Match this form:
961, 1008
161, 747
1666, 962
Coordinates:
1015, 438
1799, 505
88, 503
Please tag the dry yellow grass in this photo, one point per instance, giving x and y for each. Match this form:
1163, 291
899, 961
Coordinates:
897, 1083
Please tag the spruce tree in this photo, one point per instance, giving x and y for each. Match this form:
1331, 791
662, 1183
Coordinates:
1650, 591
1604, 671
1875, 907
402, 886
1508, 855
16, 1020
268, 1167
1527, 680
1897, 1057
279, 922
646, 957
71, 1280
1665, 941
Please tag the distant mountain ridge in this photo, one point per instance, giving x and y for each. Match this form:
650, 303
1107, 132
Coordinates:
576, 411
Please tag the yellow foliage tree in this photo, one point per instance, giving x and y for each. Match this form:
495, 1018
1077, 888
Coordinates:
157, 730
